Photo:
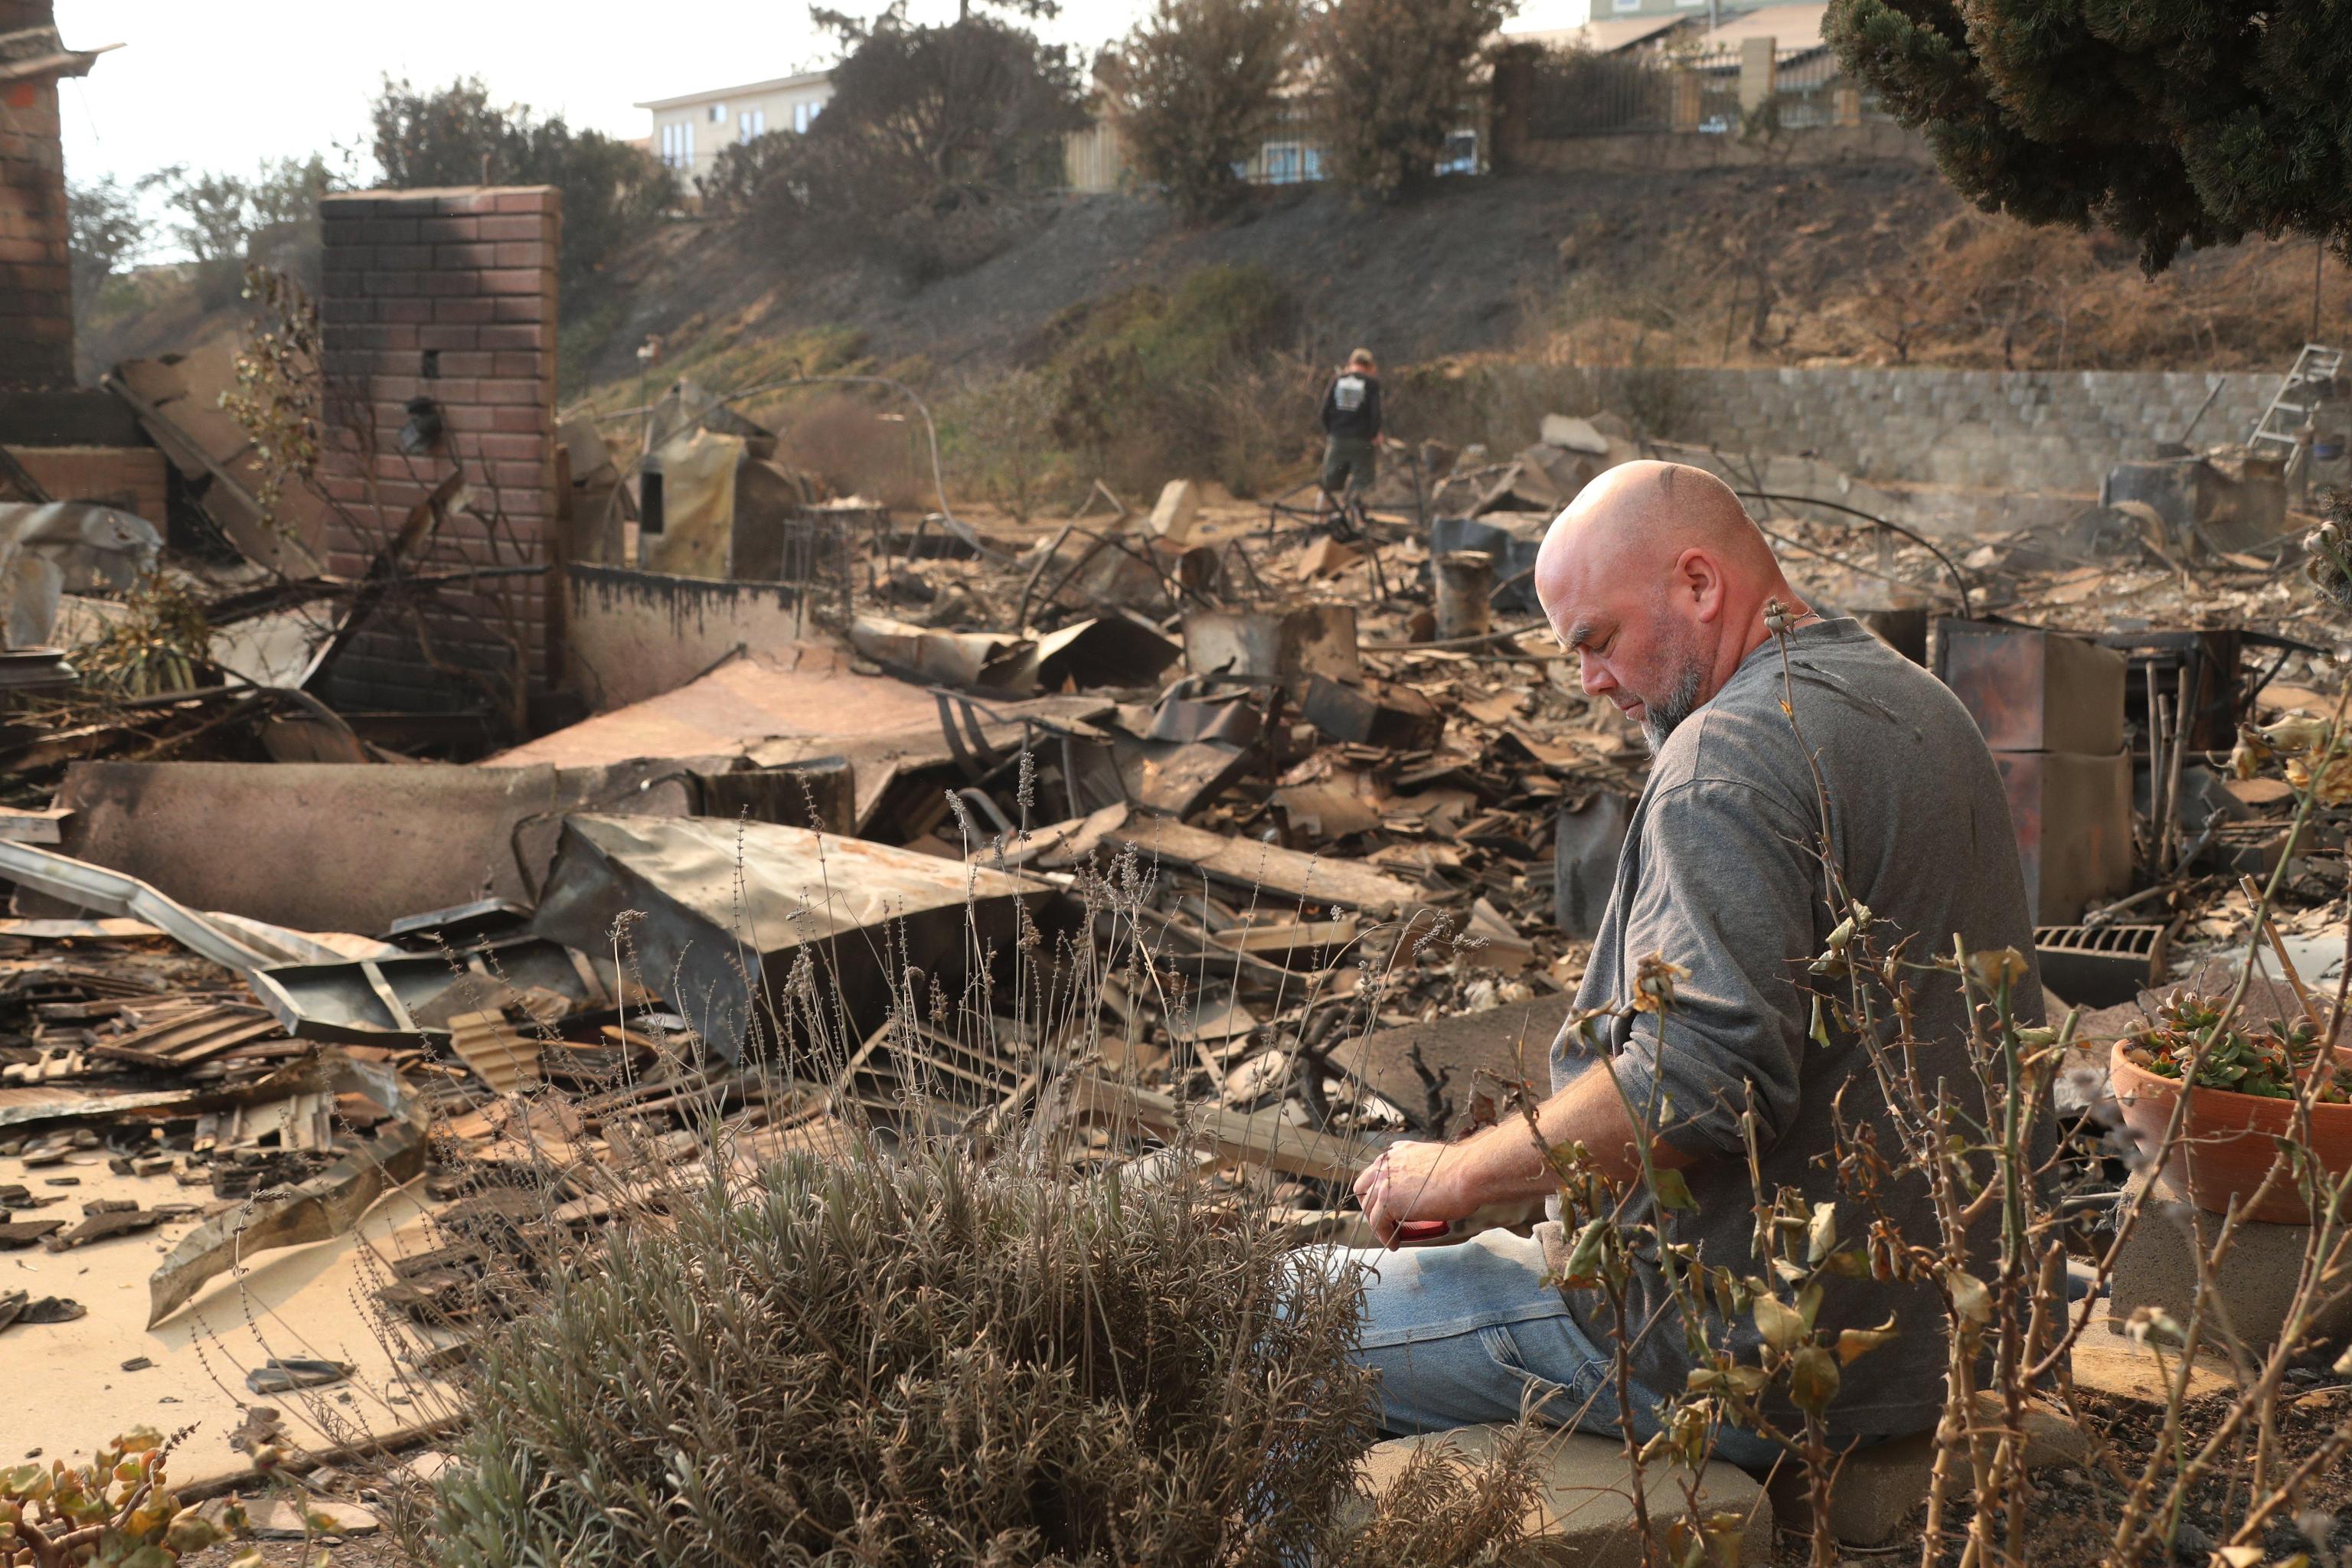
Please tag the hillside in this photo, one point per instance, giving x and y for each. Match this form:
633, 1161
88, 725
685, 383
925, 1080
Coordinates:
1864, 263
1107, 341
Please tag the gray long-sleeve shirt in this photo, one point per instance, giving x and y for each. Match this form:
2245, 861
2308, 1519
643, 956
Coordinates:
1719, 874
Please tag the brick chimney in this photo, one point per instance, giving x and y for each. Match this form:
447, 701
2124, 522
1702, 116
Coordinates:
36, 346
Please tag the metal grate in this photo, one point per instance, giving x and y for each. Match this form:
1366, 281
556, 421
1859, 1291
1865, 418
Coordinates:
2141, 942
2099, 966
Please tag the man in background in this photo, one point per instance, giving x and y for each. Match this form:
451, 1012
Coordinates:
1351, 431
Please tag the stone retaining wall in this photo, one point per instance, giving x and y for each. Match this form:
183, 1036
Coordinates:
2033, 430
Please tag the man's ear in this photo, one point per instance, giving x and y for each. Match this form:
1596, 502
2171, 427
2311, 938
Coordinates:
1700, 578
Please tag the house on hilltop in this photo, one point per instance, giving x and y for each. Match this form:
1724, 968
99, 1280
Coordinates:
691, 131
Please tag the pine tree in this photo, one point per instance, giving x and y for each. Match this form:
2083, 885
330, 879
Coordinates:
2175, 122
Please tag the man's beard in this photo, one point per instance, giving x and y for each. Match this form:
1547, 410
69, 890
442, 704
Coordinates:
1660, 718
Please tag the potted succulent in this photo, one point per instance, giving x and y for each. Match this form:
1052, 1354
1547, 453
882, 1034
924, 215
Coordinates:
2241, 1102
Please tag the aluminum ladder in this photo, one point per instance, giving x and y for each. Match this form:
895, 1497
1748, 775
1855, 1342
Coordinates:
2305, 387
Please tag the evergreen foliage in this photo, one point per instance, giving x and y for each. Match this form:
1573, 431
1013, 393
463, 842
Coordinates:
2176, 122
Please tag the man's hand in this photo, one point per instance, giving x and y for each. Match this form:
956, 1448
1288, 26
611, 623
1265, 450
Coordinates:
1413, 1180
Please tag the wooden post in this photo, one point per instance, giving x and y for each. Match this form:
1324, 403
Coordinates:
1686, 98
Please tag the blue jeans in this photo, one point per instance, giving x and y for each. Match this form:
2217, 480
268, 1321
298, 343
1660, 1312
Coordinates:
1469, 1334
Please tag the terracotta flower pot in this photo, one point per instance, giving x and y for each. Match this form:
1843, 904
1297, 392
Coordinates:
2227, 1140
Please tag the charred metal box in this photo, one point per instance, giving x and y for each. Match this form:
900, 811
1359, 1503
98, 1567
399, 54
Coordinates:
2034, 690
2051, 707
2073, 813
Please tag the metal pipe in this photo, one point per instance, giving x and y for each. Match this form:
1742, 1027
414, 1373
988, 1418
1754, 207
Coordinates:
2184, 719
2190, 428
1968, 609
1466, 586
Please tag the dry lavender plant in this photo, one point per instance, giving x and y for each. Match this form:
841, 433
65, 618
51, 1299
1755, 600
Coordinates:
940, 1346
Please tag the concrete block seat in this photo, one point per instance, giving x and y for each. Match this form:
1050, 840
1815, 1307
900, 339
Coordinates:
1585, 1515
1879, 1488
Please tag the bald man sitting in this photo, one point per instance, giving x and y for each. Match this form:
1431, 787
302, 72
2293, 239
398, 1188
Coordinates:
1657, 579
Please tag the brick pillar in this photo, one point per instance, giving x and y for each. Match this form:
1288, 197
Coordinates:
35, 282
1759, 73
448, 295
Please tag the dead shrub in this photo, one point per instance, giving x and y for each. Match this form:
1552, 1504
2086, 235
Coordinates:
921, 1358
1000, 441
855, 445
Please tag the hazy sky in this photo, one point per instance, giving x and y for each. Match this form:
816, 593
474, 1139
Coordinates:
218, 88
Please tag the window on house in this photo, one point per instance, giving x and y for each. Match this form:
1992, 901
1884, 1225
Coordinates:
718, 114
750, 123
805, 115
1629, 5
1284, 163
677, 143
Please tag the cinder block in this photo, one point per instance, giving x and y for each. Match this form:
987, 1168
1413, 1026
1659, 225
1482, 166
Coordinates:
1878, 1486
2254, 1287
